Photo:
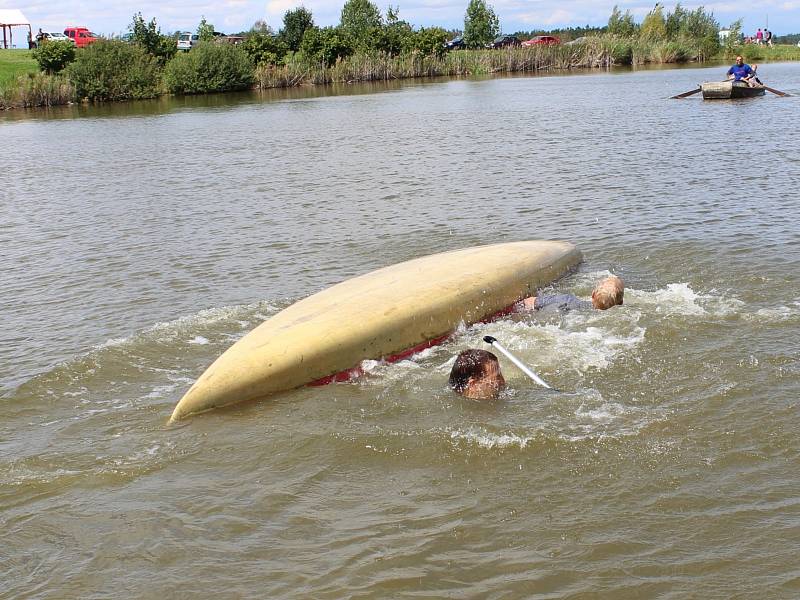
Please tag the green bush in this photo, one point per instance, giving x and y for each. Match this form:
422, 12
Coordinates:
325, 46
262, 48
114, 70
53, 57
209, 67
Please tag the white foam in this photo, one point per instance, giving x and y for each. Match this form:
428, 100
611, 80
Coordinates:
485, 439
681, 299
199, 340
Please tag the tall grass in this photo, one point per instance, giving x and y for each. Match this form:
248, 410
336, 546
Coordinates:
382, 67
36, 89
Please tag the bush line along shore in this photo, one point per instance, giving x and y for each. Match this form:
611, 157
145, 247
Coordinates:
364, 47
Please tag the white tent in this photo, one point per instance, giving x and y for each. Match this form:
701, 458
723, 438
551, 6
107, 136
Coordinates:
11, 17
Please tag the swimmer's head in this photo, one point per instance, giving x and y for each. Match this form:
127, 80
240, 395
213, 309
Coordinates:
476, 374
608, 292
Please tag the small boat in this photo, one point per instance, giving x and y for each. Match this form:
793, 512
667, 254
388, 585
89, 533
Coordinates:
386, 314
725, 90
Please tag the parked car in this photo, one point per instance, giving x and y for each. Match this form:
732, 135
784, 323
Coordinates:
81, 36
542, 40
55, 36
503, 41
457, 43
187, 40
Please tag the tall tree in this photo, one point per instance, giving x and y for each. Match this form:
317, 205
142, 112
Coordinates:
481, 25
654, 25
621, 24
295, 24
359, 17
205, 30
149, 37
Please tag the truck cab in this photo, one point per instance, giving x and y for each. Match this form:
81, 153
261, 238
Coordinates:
81, 36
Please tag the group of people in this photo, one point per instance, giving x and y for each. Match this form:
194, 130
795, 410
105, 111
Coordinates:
476, 373
761, 37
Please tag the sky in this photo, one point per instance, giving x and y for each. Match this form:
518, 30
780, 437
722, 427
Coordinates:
228, 16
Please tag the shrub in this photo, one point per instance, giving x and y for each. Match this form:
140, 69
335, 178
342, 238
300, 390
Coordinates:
209, 67
54, 56
326, 45
114, 70
262, 48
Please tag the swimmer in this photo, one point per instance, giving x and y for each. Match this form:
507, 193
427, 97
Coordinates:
476, 374
607, 293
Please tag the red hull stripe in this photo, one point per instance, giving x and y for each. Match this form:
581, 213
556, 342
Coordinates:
357, 371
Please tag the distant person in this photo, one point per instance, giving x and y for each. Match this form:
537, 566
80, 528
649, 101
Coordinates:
607, 293
768, 37
476, 374
759, 36
742, 72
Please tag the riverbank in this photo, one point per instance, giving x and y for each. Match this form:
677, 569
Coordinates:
22, 86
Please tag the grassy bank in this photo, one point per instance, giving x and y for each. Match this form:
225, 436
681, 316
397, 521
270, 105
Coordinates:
14, 63
754, 53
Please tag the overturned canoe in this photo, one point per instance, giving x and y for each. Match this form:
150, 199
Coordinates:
374, 316
725, 90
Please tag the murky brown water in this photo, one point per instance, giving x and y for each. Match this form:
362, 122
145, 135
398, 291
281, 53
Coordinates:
139, 241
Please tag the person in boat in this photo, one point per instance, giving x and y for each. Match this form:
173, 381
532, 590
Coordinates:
607, 293
476, 374
742, 72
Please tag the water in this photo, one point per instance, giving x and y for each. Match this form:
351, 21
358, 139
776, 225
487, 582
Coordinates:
139, 241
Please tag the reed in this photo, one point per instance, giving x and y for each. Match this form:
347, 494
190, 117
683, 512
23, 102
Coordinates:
382, 67
36, 89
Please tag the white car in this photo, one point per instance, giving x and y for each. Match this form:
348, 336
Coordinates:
56, 36
187, 40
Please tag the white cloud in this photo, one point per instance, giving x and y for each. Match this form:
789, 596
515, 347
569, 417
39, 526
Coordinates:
515, 15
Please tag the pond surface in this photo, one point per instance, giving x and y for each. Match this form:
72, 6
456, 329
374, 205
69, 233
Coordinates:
141, 240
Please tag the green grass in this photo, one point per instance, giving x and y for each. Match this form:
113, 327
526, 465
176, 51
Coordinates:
753, 53
16, 62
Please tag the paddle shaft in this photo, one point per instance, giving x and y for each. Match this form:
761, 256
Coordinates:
685, 94
520, 365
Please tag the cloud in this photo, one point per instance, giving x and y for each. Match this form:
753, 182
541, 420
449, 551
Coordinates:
515, 15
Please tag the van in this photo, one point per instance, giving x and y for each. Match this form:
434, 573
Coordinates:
187, 40
81, 36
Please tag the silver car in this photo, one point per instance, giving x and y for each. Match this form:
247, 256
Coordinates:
187, 40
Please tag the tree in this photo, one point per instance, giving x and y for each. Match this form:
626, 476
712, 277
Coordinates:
619, 24
149, 37
481, 25
360, 18
263, 48
261, 26
396, 36
326, 45
295, 24
654, 26
205, 31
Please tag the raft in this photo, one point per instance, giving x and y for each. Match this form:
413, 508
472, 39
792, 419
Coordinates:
386, 314
725, 90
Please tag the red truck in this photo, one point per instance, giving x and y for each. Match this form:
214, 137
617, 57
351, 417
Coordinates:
81, 36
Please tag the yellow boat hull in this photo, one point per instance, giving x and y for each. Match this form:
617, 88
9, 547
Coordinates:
376, 315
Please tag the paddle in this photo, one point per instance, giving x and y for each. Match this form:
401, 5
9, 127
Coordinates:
493, 342
774, 91
766, 87
685, 94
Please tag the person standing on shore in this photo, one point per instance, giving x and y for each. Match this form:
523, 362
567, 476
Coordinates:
768, 37
759, 36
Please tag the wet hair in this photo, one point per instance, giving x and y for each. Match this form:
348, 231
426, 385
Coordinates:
608, 292
470, 363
